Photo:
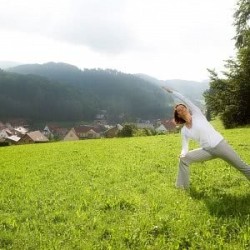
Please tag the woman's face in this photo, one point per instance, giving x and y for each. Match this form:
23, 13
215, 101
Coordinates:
181, 110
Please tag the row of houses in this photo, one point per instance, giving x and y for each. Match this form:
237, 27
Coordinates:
21, 135
76, 133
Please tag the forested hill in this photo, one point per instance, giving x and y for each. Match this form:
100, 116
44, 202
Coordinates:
62, 92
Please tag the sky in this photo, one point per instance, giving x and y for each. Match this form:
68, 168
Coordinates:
166, 39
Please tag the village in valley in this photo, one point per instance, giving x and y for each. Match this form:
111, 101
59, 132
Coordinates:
19, 131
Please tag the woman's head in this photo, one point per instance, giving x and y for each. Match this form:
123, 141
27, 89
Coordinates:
180, 111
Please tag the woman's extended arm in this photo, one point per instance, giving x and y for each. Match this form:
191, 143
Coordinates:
186, 101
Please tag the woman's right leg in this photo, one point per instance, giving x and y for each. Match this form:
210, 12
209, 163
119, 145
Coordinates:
224, 151
197, 155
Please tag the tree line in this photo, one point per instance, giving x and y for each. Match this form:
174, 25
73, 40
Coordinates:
229, 96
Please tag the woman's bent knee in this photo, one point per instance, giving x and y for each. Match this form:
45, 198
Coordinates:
184, 160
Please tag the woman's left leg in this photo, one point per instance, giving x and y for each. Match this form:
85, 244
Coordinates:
196, 155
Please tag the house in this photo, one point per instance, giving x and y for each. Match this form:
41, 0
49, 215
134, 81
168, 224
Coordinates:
20, 130
92, 134
87, 132
53, 131
4, 133
112, 132
5, 130
13, 139
161, 129
166, 126
71, 135
34, 137
48, 132
170, 125
59, 133
146, 125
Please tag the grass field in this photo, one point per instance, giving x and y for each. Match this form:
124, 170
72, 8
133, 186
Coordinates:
120, 194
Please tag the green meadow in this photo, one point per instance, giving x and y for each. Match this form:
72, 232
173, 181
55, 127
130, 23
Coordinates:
119, 194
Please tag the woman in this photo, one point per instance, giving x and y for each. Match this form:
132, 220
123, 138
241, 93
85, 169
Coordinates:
212, 143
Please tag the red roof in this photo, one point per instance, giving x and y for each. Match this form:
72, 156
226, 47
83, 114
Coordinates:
169, 124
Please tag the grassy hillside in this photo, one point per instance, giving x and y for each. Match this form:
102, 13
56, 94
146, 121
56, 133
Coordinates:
120, 194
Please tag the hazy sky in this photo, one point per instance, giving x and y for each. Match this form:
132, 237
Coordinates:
167, 39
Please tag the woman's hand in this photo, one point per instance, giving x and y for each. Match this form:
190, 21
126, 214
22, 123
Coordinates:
167, 89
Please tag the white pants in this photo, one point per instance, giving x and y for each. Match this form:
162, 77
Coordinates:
223, 150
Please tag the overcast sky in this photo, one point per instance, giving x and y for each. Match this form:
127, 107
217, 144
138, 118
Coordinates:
166, 39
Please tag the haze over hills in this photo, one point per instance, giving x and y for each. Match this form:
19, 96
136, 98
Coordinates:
61, 72
8, 64
191, 89
59, 91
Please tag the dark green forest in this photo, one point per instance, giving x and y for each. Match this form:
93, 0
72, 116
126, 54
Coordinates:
62, 92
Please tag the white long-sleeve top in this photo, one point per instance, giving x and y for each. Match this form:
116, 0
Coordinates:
201, 131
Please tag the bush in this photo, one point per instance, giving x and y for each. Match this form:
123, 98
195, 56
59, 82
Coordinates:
4, 143
127, 131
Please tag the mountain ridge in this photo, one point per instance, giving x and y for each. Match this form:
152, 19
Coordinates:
63, 72
57, 88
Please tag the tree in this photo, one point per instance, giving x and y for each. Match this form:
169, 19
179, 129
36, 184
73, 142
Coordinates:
229, 97
241, 17
127, 131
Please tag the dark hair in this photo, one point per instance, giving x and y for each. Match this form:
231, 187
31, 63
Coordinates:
177, 119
